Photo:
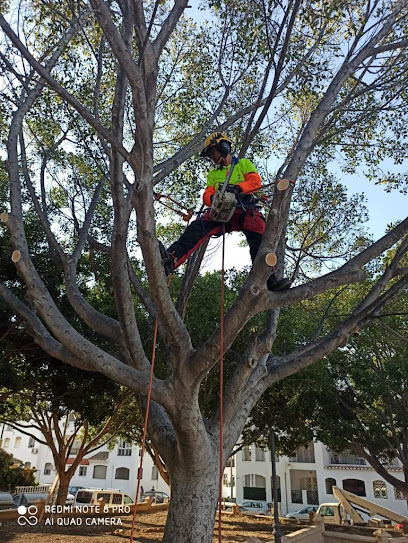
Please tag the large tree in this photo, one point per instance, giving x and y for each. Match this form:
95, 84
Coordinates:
105, 100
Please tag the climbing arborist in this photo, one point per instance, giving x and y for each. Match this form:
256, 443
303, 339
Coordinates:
244, 214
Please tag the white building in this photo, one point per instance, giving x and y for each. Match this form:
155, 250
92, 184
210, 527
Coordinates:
308, 478
305, 479
104, 468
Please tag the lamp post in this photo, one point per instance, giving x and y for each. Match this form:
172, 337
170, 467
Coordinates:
232, 478
277, 527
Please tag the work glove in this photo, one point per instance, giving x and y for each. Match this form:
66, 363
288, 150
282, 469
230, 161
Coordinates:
235, 189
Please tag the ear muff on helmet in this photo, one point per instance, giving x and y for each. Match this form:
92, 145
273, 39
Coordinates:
224, 147
220, 141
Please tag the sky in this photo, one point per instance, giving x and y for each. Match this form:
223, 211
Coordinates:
383, 208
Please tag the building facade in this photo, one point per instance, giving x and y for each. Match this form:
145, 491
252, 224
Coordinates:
305, 479
308, 478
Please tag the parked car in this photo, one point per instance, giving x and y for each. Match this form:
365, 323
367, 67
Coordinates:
6, 501
255, 507
156, 496
29, 498
74, 489
91, 497
302, 514
70, 499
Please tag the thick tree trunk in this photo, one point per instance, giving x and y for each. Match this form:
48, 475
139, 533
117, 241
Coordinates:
193, 503
64, 480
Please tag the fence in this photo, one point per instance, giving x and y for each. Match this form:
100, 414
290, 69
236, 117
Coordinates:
318, 534
30, 489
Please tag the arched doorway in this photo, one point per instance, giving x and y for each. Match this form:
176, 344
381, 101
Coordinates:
254, 487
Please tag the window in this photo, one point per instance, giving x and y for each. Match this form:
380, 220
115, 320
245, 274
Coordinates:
329, 484
304, 454
82, 471
105, 496
398, 494
31, 443
6, 443
27, 465
356, 486
17, 442
246, 453
346, 457
155, 473
380, 490
122, 473
47, 469
259, 455
124, 448
99, 472
259, 481
76, 445
327, 511
117, 498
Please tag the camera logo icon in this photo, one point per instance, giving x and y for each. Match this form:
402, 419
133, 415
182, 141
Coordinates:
32, 510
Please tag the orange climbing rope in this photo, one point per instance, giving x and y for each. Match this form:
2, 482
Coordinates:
221, 444
139, 471
221, 385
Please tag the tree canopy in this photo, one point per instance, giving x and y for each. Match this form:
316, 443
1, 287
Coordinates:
105, 102
12, 472
354, 399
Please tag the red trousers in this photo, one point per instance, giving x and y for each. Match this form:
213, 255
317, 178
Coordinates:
249, 221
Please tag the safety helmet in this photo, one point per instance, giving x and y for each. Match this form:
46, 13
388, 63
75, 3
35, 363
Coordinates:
220, 141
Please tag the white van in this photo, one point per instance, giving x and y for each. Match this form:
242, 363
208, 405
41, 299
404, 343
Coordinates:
255, 507
86, 497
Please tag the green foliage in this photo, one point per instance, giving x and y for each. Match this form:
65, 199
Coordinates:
12, 472
355, 398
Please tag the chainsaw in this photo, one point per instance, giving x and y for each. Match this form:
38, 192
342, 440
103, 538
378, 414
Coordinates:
224, 203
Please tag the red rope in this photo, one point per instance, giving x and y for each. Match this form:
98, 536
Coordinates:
221, 386
139, 471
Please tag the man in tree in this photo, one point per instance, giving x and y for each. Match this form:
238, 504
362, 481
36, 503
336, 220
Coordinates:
244, 181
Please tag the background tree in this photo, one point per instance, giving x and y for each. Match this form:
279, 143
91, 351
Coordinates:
104, 101
41, 395
12, 473
354, 400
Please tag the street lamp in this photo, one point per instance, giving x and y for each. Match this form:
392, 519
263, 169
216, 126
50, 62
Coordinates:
277, 527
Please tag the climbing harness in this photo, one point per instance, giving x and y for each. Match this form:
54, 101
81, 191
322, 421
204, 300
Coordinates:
224, 203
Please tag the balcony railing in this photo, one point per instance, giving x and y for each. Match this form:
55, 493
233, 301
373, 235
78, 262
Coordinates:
347, 459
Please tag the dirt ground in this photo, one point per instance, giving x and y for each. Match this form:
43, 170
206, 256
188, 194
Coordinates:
149, 527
